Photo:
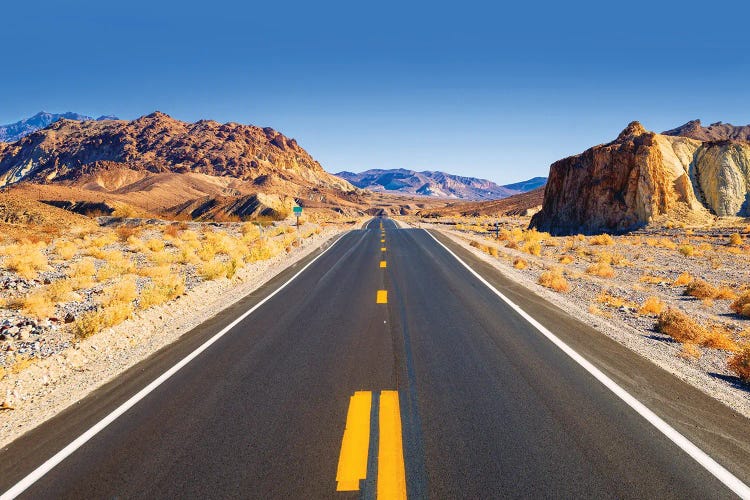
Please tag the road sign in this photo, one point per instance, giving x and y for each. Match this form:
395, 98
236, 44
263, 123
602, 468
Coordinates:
297, 211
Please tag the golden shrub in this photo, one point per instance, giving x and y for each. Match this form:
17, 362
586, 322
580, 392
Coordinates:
652, 305
554, 280
601, 269
740, 363
601, 239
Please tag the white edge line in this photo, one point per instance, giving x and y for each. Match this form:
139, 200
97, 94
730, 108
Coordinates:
61, 455
727, 478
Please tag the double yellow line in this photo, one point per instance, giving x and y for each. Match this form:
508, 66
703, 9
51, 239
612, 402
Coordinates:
352, 468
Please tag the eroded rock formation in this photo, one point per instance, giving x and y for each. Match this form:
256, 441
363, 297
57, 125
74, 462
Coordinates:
642, 176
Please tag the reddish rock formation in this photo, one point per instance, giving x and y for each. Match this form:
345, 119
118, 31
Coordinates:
642, 176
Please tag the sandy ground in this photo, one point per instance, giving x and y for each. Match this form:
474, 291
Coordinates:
623, 324
53, 383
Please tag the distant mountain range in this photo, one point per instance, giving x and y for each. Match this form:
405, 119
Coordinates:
15, 131
437, 184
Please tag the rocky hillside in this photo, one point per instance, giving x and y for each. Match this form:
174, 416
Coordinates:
523, 204
689, 174
15, 131
436, 184
163, 165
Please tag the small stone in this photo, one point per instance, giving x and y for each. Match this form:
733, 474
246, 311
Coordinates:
69, 318
13, 330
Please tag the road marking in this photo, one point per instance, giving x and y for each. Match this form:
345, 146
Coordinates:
391, 470
382, 263
727, 478
382, 249
61, 455
355, 443
382, 297
382, 240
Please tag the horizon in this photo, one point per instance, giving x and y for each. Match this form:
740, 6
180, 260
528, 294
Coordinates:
476, 91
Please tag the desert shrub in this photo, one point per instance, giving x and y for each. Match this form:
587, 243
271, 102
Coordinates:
493, 251
533, 248
93, 322
116, 264
124, 291
172, 230
652, 305
719, 339
519, 263
601, 269
36, 304
161, 290
741, 305
213, 269
566, 259
65, 249
125, 232
700, 289
683, 279
554, 280
154, 271
250, 231
687, 250
735, 239
155, 244
740, 363
690, 351
610, 300
725, 293
475, 244
26, 260
512, 245
84, 267
680, 327
103, 240
601, 239
653, 280
59, 290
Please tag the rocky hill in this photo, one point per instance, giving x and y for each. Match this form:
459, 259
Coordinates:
435, 184
162, 165
15, 131
523, 204
688, 174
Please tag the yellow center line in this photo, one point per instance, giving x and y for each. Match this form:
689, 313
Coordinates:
382, 249
382, 263
355, 444
382, 240
391, 470
382, 297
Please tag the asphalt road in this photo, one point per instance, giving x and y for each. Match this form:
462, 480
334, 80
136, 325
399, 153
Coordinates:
486, 406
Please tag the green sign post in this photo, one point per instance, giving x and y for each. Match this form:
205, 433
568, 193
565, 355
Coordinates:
297, 213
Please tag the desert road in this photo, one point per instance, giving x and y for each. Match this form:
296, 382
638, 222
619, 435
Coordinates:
385, 368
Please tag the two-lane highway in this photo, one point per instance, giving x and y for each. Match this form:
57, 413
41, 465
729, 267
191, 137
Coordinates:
386, 365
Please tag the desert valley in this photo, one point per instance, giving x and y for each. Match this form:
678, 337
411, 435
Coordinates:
118, 237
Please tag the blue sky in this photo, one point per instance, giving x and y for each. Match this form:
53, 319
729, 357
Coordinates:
468, 87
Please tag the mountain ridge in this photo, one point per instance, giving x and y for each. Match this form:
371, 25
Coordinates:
12, 132
435, 184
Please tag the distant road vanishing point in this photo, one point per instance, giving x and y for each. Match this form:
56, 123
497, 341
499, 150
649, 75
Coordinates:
391, 364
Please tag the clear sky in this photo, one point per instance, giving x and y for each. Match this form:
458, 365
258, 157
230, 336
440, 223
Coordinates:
475, 88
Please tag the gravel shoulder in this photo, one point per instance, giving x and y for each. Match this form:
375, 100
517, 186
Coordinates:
53, 383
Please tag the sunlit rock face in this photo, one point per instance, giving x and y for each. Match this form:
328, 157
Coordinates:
641, 176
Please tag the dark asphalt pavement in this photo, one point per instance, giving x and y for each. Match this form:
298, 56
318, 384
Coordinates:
490, 408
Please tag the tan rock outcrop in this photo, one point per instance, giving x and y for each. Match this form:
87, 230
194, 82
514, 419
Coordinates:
641, 176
